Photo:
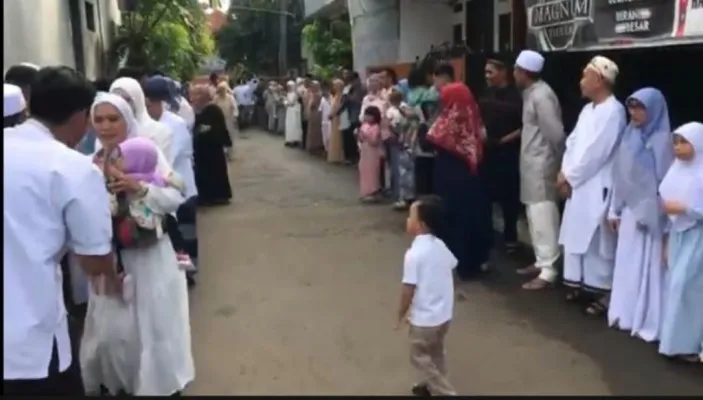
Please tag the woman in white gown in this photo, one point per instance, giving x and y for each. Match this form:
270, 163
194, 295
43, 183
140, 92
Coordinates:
294, 130
140, 345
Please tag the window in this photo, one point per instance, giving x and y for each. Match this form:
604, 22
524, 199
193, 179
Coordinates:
90, 16
458, 7
457, 33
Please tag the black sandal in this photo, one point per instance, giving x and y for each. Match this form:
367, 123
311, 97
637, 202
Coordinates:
573, 295
596, 309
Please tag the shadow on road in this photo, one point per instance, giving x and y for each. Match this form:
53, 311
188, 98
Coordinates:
629, 366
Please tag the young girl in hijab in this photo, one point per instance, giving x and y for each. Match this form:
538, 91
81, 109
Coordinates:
138, 159
644, 156
371, 152
682, 197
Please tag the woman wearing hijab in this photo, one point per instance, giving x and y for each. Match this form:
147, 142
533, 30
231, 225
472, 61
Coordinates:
314, 143
139, 344
227, 104
682, 197
458, 135
335, 153
210, 137
131, 90
642, 159
294, 130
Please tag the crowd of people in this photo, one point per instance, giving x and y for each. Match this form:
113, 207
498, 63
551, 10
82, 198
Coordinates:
619, 201
104, 179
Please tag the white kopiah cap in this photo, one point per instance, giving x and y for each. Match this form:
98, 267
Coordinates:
13, 100
530, 61
605, 67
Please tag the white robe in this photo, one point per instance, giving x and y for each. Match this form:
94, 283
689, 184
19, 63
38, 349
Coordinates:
589, 245
142, 346
294, 128
325, 110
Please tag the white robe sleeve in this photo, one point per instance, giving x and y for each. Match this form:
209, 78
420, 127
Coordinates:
592, 151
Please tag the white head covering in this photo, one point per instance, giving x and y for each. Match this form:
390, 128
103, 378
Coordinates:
605, 67
13, 100
290, 85
684, 181
122, 106
161, 134
130, 88
299, 81
530, 61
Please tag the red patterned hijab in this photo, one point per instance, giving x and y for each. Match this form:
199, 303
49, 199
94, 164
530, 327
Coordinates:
459, 128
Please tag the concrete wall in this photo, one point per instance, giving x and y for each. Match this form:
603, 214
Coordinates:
423, 24
39, 31
375, 32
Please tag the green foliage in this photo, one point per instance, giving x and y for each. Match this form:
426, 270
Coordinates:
171, 36
252, 35
329, 43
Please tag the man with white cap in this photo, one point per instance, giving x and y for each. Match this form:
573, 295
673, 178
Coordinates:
22, 75
13, 105
542, 146
586, 179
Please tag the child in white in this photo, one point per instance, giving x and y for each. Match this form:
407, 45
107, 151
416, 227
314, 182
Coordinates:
427, 298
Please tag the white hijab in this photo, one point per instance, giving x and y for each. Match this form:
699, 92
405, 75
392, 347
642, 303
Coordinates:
159, 133
122, 106
684, 180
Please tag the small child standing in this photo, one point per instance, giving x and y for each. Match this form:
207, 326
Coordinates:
427, 298
371, 154
682, 198
395, 146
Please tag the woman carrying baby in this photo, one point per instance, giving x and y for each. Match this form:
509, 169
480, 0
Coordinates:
138, 344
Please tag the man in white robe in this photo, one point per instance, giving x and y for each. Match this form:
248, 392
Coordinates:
586, 179
542, 146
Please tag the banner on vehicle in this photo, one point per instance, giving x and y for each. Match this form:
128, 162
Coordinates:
583, 24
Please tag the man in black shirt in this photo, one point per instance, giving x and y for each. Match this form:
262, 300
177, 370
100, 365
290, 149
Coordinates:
501, 110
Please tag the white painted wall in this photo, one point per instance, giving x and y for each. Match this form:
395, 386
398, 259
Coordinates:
424, 23
39, 31
375, 32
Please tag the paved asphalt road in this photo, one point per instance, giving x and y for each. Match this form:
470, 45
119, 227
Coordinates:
298, 291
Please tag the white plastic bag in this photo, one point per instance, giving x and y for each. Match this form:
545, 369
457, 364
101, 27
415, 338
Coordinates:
109, 352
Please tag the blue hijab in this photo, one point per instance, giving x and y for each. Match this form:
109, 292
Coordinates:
160, 88
644, 157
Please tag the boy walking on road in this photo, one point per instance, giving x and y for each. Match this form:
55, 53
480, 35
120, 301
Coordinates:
427, 297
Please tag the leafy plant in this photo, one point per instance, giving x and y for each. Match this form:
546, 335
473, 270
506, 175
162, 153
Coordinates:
171, 36
252, 35
329, 43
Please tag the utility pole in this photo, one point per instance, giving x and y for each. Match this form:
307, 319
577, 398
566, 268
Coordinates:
283, 38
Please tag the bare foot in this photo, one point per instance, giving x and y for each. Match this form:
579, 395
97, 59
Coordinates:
530, 270
537, 284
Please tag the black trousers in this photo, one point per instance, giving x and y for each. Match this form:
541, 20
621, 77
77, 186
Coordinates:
501, 174
67, 383
424, 175
351, 149
304, 126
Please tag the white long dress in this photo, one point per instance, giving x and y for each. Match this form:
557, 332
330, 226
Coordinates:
294, 128
142, 346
